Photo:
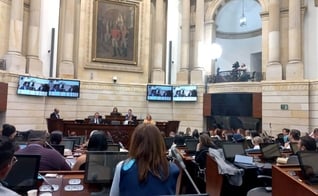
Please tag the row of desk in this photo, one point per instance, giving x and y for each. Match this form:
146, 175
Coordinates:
286, 180
120, 133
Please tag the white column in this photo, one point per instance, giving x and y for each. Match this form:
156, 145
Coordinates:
197, 73
15, 62
158, 74
274, 67
66, 66
183, 74
34, 64
295, 66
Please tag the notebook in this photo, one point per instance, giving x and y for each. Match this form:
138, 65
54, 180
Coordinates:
232, 149
309, 167
270, 151
24, 173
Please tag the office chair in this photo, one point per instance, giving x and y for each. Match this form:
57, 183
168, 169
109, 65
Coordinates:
265, 190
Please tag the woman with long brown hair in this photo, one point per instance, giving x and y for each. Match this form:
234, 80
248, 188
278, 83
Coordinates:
147, 171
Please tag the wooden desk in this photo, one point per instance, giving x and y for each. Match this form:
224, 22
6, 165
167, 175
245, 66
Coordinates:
214, 180
120, 133
287, 180
62, 181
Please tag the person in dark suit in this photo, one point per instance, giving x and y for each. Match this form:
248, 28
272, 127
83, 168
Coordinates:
130, 118
55, 114
97, 119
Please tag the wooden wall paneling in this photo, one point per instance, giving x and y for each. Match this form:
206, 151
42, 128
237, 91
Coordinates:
207, 106
257, 105
3, 96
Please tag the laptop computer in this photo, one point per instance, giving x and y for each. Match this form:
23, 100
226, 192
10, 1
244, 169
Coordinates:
309, 167
100, 166
294, 147
59, 148
168, 142
113, 147
191, 145
68, 143
24, 173
232, 149
270, 151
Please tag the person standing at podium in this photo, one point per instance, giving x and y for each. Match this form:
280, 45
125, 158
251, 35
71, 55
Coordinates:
55, 114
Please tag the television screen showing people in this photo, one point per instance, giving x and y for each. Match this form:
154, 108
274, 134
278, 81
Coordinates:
159, 93
185, 93
64, 88
29, 85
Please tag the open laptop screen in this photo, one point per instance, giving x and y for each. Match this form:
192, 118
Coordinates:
270, 151
294, 147
308, 164
23, 175
232, 149
100, 165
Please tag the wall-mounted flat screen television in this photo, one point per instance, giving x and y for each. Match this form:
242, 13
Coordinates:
185, 93
159, 92
64, 88
30, 85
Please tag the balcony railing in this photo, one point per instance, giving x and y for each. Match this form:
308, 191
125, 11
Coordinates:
235, 76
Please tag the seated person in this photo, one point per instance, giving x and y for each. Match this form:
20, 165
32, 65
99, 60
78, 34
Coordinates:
97, 119
130, 118
205, 142
148, 120
115, 112
294, 136
256, 141
307, 143
56, 137
50, 159
9, 131
7, 160
97, 142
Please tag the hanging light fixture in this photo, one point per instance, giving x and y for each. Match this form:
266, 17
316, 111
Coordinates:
243, 18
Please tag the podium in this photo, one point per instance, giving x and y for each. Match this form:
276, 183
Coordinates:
55, 124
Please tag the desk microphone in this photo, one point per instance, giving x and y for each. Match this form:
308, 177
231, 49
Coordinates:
176, 156
47, 182
49, 145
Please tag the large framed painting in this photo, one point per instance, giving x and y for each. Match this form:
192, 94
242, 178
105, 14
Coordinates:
115, 32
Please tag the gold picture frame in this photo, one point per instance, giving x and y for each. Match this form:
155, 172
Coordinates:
115, 32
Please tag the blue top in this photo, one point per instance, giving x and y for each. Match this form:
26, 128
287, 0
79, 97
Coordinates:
129, 184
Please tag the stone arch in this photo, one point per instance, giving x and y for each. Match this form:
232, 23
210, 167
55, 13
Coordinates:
215, 6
